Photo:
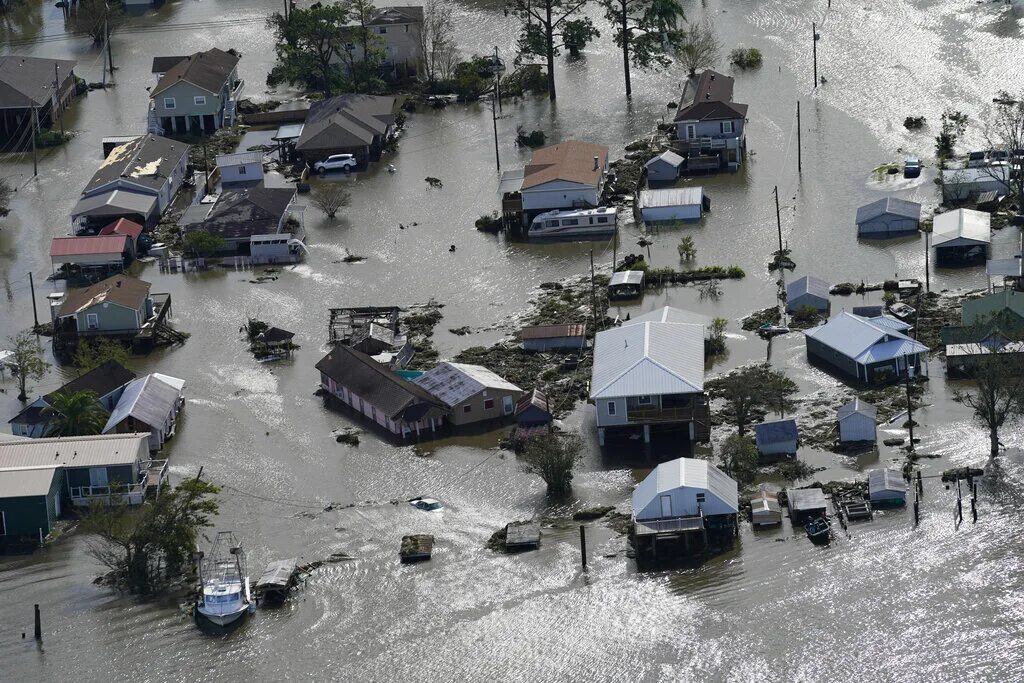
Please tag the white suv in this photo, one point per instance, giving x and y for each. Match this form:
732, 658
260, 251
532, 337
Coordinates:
336, 162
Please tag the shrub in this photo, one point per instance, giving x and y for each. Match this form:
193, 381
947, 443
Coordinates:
746, 57
914, 122
51, 138
534, 138
553, 458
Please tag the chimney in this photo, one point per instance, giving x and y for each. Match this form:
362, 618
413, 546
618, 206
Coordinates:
597, 163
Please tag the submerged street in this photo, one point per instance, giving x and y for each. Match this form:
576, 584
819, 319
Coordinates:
887, 602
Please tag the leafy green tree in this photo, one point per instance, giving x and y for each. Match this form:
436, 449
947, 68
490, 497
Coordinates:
739, 456
716, 340
646, 31
363, 52
92, 353
308, 46
201, 243
6, 194
548, 26
75, 413
753, 388
553, 457
28, 361
953, 125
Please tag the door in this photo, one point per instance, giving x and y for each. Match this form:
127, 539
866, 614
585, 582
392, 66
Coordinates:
666, 506
506, 405
56, 505
97, 476
3, 523
691, 131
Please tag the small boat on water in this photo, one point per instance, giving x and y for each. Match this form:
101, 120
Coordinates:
819, 531
772, 330
224, 582
574, 224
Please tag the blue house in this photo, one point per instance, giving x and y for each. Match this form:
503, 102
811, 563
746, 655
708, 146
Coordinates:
710, 130
869, 350
808, 291
777, 438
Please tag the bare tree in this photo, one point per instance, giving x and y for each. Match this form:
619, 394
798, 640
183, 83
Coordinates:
996, 395
437, 42
330, 198
96, 18
6, 194
698, 47
1005, 131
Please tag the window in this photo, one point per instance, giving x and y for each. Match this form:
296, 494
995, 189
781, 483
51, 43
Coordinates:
97, 476
241, 170
691, 131
382, 30
169, 103
602, 219
92, 321
570, 221
611, 407
700, 497
199, 100
467, 409
488, 404
550, 224
727, 126
644, 400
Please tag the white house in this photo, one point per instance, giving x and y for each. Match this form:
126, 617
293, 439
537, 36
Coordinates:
857, 421
671, 204
650, 374
243, 167
568, 175
685, 487
958, 184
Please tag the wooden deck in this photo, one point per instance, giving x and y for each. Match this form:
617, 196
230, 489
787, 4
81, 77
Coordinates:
669, 526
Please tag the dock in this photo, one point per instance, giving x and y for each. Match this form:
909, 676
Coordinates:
416, 548
855, 509
278, 578
522, 535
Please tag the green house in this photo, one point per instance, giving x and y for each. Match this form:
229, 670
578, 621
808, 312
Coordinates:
30, 503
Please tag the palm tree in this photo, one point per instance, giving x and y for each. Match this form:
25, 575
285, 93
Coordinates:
75, 413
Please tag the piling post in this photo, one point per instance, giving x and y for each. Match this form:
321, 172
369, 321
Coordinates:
814, 44
583, 545
974, 511
920, 485
38, 631
32, 291
799, 157
917, 512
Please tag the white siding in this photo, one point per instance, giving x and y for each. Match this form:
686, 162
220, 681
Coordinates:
558, 194
604, 418
671, 213
242, 173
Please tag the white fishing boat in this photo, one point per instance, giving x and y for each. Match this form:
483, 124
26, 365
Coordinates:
224, 582
574, 224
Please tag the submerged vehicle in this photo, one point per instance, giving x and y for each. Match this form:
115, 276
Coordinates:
912, 168
574, 224
224, 595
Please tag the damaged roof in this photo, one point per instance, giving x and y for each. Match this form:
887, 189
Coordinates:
28, 81
346, 121
122, 290
147, 161
248, 211
454, 383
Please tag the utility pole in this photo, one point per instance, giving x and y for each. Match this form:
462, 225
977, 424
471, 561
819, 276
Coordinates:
110, 55
814, 43
778, 224
593, 292
497, 78
206, 165
910, 405
32, 290
56, 98
286, 9
799, 155
34, 128
494, 119
927, 278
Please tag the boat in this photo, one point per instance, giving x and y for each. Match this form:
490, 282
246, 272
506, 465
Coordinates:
770, 329
819, 531
574, 224
224, 582
902, 310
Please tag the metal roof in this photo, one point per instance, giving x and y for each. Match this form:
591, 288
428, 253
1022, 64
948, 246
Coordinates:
890, 205
16, 482
984, 174
886, 480
669, 157
239, 159
806, 499
686, 473
73, 451
149, 399
288, 131
454, 383
961, 228
776, 432
114, 203
808, 284
626, 277
114, 245
511, 181
1005, 267
671, 196
648, 359
553, 331
858, 407
863, 340
670, 314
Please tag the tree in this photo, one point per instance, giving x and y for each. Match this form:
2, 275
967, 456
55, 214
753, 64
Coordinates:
739, 456
201, 243
698, 47
75, 413
93, 353
307, 46
6, 194
364, 50
548, 26
776, 390
687, 249
646, 31
28, 361
1005, 131
437, 42
96, 18
149, 548
330, 198
753, 388
997, 392
716, 336
954, 124
553, 457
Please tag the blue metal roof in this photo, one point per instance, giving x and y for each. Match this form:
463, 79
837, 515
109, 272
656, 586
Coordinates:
808, 284
864, 340
891, 205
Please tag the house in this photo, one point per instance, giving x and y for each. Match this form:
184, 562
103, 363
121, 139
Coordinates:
993, 320
123, 226
533, 409
888, 217
665, 167
963, 184
710, 130
196, 94
353, 124
857, 420
961, 235
868, 350
107, 381
385, 343
570, 337
569, 175
369, 388
626, 284
115, 307
869, 311
962, 359
672, 204
94, 467
262, 223
688, 498
33, 84
887, 487
30, 503
138, 181
650, 375
806, 504
398, 29
89, 258
472, 393
149, 404
779, 437
765, 509
808, 291
243, 167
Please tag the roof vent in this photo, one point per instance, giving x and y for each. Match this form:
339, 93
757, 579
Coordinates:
597, 163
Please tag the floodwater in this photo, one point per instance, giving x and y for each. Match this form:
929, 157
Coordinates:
889, 603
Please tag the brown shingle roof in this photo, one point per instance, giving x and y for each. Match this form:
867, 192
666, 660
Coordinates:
207, 70
572, 161
123, 290
28, 81
712, 111
713, 87
553, 331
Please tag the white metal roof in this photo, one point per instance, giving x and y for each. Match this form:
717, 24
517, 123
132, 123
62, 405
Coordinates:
863, 340
670, 314
26, 481
148, 399
454, 383
72, 451
886, 480
239, 159
688, 473
648, 359
626, 277
857, 407
511, 181
961, 228
672, 196
669, 157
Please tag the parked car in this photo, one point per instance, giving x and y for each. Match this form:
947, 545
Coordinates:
427, 504
336, 162
911, 168
976, 160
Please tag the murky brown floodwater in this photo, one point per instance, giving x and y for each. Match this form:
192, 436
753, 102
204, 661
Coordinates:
890, 603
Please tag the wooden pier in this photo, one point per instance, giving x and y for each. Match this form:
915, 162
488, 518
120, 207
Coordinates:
854, 509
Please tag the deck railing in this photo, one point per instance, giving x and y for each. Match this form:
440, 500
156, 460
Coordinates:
132, 494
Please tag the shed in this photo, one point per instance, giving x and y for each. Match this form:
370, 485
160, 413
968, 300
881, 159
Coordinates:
779, 437
888, 217
243, 167
961, 235
808, 291
887, 487
149, 404
806, 504
30, 502
664, 167
765, 509
672, 204
685, 487
570, 337
533, 409
857, 421
626, 284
